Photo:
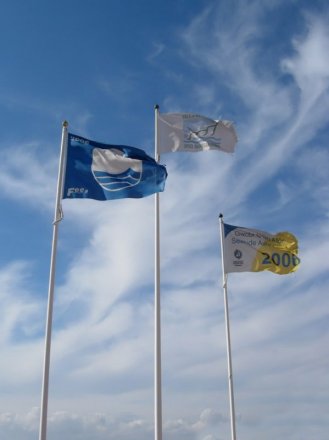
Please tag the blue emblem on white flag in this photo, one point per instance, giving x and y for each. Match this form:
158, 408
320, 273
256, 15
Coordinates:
190, 132
104, 172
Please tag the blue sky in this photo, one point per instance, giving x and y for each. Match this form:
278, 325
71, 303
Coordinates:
103, 65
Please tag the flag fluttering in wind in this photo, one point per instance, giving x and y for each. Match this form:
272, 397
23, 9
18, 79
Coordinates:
190, 132
105, 172
251, 250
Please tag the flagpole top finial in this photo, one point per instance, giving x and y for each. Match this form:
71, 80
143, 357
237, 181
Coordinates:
221, 215
156, 107
65, 124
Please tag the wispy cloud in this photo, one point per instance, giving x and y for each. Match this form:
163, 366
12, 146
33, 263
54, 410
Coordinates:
28, 174
275, 125
158, 49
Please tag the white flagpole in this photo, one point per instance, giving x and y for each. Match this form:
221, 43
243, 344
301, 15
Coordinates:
157, 307
57, 218
228, 338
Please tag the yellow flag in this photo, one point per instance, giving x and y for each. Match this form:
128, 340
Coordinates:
251, 250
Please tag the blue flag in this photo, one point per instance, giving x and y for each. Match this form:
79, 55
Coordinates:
106, 172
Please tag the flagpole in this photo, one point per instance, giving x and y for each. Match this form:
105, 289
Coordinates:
157, 307
57, 218
228, 338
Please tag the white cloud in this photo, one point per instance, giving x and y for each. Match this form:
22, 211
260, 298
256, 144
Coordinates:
19, 329
20, 308
102, 425
29, 175
310, 65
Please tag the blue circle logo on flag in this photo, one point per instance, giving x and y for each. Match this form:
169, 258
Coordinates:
115, 172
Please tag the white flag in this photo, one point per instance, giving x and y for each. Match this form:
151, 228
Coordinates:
190, 132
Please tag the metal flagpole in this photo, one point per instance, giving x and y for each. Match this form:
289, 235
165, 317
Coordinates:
57, 218
228, 338
157, 308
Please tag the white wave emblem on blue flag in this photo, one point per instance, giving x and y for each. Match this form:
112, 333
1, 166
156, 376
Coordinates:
109, 172
115, 172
